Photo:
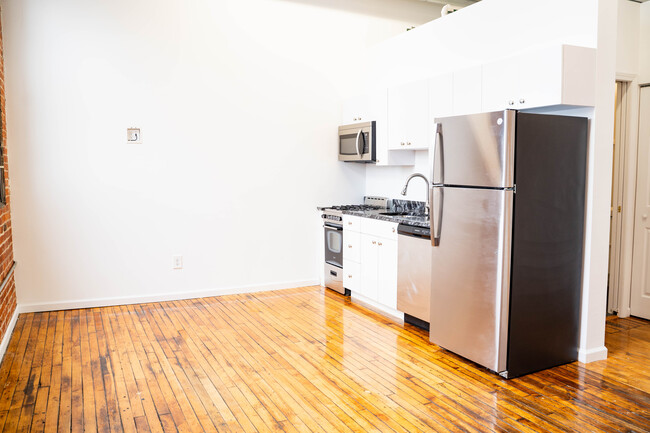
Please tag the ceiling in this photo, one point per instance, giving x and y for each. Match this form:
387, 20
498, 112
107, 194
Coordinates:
454, 2
471, 2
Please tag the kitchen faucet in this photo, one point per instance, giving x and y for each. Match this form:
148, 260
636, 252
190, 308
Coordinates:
406, 185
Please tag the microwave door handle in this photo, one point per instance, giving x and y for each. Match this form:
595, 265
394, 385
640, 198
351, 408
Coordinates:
357, 143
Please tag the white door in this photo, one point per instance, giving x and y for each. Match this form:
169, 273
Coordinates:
640, 296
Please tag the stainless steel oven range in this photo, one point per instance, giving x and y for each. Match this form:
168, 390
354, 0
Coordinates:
333, 232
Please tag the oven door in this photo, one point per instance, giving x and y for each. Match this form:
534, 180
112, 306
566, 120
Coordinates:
334, 245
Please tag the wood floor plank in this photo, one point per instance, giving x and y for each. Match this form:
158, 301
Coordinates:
297, 360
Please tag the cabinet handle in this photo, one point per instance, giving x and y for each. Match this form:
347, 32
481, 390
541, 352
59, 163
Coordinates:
522, 100
511, 102
349, 276
402, 143
380, 244
408, 143
349, 246
393, 229
349, 223
374, 242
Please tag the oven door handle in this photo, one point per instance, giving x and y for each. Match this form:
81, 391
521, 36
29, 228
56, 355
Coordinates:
332, 227
357, 143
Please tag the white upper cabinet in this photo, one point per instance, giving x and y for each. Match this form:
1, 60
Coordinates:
500, 86
539, 77
441, 96
408, 114
358, 109
373, 107
467, 91
555, 75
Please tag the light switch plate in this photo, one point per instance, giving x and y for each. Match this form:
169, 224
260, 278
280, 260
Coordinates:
133, 135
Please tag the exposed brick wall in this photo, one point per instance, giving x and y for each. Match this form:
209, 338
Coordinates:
8, 294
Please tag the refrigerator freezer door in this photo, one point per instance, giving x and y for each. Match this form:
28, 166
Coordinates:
470, 269
475, 150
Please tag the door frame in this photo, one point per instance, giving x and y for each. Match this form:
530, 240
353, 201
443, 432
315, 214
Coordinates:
629, 177
618, 189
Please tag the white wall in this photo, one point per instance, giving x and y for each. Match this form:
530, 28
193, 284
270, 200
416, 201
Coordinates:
237, 103
599, 188
627, 37
644, 44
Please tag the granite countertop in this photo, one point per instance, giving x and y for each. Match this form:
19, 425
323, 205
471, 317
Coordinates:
409, 212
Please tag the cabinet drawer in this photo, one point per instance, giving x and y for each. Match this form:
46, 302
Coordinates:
351, 223
352, 275
382, 229
351, 246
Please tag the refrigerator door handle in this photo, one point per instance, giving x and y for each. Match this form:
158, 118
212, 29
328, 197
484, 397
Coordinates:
436, 163
435, 216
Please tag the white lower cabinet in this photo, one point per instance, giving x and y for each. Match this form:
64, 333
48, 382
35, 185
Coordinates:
387, 273
374, 276
369, 266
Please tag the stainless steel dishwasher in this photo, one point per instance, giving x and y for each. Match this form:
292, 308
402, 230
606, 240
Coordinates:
414, 274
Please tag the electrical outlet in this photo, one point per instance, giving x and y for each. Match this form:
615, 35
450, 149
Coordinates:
177, 262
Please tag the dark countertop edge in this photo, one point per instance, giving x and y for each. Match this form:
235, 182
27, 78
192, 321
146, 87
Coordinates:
374, 214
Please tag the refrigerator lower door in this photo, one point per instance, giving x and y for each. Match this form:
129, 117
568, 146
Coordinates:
470, 273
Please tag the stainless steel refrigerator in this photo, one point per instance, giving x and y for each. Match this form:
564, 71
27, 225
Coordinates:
507, 214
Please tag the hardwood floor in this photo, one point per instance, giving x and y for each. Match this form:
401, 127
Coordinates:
294, 360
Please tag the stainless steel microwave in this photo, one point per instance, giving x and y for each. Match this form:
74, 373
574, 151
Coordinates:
357, 142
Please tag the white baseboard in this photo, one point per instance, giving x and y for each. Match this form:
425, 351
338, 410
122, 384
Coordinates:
624, 312
374, 305
176, 296
10, 329
591, 355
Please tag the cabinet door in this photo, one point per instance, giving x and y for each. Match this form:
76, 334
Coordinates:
441, 96
356, 109
369, 266
351, 246
408, 116
467, 91
500, 84
387, 272
352, 276
540, 78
